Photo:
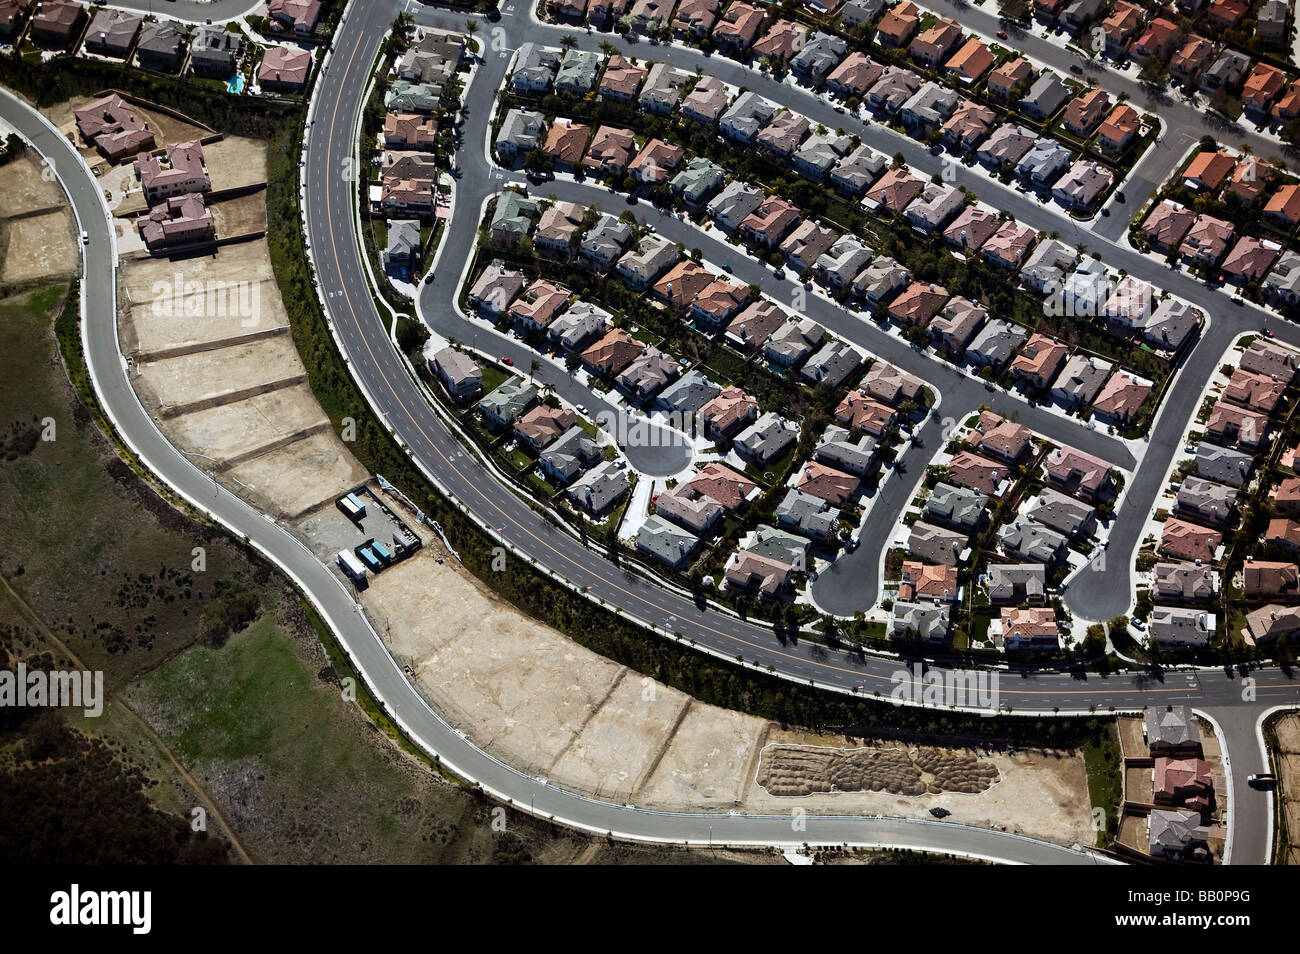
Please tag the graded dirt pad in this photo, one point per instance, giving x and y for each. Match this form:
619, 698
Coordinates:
245, 215
198, 318
513, 685
241, 262
1287, 731
213, 375
538, 701
242, 427
26, 190
623, 740
804, 770
1134, 833
168, 129
1132, 743
298, 477
235, 163
707, 763
1139, 786
37, 247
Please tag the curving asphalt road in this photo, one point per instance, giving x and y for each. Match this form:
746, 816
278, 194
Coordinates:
379, 370
331, 598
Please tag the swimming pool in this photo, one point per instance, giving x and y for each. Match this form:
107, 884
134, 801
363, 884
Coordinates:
236, 85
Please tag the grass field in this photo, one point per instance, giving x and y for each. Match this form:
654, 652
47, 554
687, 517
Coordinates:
257, 716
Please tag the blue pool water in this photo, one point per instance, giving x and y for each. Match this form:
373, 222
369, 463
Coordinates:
236, 85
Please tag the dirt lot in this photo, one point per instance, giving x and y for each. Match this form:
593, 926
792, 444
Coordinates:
536, 700
40, 246
1139, 785
297, 477
214, 375
25, 190
1287, 731
234, 162
245, 215
1132, 743
232, 430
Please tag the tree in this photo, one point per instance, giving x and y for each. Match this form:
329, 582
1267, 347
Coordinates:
569, 41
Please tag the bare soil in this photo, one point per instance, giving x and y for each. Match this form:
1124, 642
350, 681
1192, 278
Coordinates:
792, 770
37, 247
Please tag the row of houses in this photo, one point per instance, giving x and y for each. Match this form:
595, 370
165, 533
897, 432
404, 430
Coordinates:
1224, 187
161, 45
1205, 505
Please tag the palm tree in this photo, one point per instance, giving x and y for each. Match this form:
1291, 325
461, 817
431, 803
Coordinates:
569, 41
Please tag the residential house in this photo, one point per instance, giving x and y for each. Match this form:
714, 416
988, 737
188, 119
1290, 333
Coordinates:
956, 323
605, 241
283, 68
749, 572
994, 344
936, 44
1072, 517
706, 101
818, 57
1207, 240
1184, 581
856, 74
784, 133
935, 206
1009, 245
978, 473
610, 152
1007, 145
1032, 629
793, 342
647, 373
1045, 162
1121, 127
1077, 473
612, 353
1039, 361
697, 181
995, 436
1026, 540
1080, 380
728, 412
495, 289
215, 50
894, 88
928, 581
507, 403
718, 482
112, 32
656, 162
968, 125
161, 46
1189, 541
736, 31
596, 491
770, 222
894, 190
566, 142
1223, 465
1121, 397
734, 204
1045, 96
1086, 111
541, 425
1270, 578
935, 544
960, 507
927, 622
521, 131
459, 374
670, 545
749, 330
831, 364
568, 456
539, 305
1016, 582
918, 304
578, 71
652, 256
